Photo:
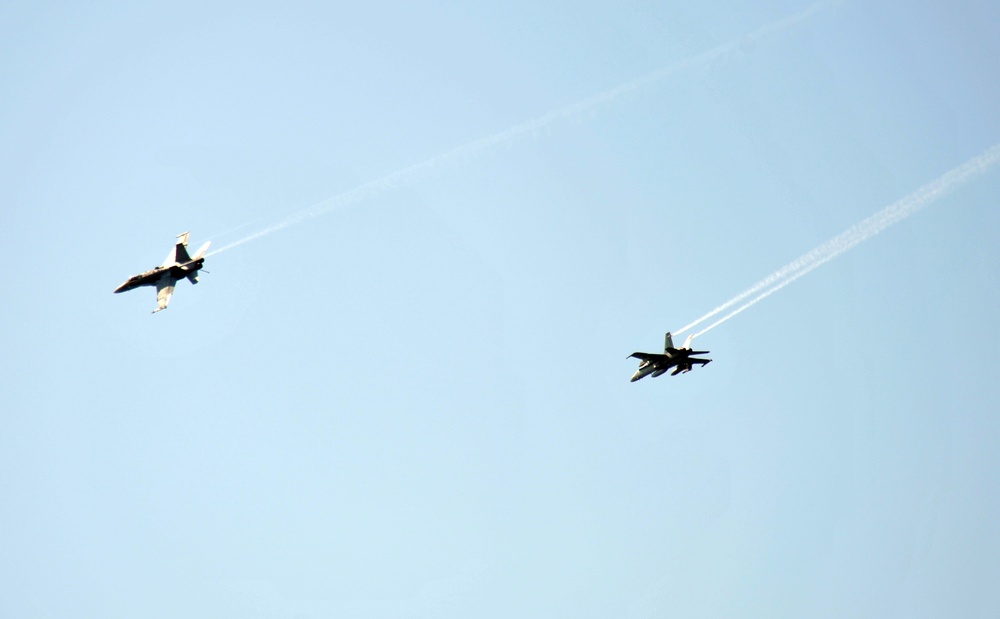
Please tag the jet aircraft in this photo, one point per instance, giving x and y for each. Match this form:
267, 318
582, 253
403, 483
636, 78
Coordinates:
680, 359
177, 266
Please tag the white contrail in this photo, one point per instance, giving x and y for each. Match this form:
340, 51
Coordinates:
234, 228
854, 235
531, 127
767, 293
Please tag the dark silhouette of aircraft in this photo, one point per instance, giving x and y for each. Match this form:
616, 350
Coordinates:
680, 359
177, 266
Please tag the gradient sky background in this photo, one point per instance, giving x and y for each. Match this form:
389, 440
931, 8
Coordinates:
418, 405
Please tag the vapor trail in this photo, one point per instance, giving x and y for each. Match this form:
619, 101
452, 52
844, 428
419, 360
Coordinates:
472, 149
767, 293
233, 229
853, 236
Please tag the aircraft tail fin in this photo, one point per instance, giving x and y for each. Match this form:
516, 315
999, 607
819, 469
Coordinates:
181, 254
668, 342
201, 250
179, 251
687, 342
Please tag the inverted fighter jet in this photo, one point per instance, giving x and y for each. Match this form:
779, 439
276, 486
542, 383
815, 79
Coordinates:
680, 359
177, 266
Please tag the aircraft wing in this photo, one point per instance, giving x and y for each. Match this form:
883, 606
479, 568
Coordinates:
164, 290
649, 356
171, 258
682, 353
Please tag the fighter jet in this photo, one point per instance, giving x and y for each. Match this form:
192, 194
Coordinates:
178, 265
678, 358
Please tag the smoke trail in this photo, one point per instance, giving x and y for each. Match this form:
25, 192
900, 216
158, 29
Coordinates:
766, 293
234, 228
531, 127
853, 236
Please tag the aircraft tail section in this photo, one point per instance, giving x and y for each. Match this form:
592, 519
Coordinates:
687, 342
201, 250
193, 277
668, 342
179, 252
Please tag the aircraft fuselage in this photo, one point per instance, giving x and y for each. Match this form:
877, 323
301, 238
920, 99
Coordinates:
679, 359
150, 277
680, 365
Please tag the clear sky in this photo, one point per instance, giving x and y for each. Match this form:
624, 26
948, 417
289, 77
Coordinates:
409, 397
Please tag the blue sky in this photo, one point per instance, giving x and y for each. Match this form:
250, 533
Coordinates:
416, 403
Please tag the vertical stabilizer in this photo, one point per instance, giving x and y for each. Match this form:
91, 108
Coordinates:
668, 343
201, 250
179, 252
687, 342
